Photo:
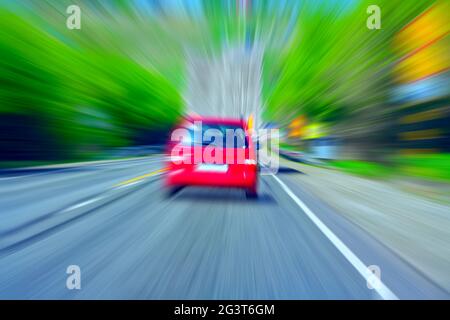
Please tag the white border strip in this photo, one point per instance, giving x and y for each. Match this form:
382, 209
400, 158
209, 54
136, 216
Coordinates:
380, 288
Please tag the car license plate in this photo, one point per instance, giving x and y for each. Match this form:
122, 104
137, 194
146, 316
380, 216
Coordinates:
206, 167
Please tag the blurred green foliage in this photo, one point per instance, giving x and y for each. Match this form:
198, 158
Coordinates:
435, 167
122, 75
432, 166
362, 168
84, 99
335, 66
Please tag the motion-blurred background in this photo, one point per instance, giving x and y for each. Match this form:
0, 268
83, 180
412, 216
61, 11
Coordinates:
371, 100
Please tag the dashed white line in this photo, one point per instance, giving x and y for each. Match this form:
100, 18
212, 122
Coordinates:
381, 288
82, 204
95, 199
129, 163
32, 175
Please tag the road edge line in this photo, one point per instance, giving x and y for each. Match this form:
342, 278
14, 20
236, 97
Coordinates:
384, 292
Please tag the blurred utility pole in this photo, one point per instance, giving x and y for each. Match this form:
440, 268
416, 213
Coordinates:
226, 85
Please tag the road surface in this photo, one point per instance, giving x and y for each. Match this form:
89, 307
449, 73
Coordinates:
131, 241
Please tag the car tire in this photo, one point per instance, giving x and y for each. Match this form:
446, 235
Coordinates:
251, 194
173, 191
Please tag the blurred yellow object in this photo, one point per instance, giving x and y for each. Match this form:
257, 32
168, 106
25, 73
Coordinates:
431, 25
315, 131
297, 127
250, 123
429, 61
424, 115
424, 43
421, 134
418, 151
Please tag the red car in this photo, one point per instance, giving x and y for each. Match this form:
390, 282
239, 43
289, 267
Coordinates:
212, 152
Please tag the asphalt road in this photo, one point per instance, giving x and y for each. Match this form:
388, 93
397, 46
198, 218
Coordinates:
131, 241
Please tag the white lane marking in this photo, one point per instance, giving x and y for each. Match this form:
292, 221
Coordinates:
95, 199
130, 163
93, 165
82, 204
381, 288
30, 175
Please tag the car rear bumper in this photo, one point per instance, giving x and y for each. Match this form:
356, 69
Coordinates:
237, 176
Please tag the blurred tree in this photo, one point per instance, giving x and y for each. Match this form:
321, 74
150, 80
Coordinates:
81, 98
338, 71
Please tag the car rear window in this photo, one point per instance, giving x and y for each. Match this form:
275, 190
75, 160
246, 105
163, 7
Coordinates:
220, 135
